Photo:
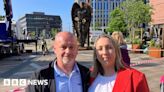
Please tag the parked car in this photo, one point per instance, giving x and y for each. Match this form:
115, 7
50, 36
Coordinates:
94, 34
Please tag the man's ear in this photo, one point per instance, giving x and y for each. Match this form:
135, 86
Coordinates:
54, 49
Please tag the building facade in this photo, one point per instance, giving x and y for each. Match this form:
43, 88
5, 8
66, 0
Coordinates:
39, 24
101, 11
157, 16
157, 22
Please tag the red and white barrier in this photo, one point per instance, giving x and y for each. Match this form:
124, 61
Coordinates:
146, 61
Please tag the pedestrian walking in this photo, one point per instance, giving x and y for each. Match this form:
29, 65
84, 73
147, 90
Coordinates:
118, 37
44, 47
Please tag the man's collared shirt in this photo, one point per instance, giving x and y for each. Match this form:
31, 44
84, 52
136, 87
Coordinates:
65, 83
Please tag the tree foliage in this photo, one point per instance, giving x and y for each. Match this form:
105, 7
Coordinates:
136, 13
53, 32
96, 26
129, 16
117, 22
33, 34
2, 17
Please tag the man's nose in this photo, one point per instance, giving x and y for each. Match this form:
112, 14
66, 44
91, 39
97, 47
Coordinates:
67, 50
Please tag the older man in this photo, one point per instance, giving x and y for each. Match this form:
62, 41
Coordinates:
64, 74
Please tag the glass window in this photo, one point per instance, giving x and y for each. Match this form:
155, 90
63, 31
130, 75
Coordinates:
99, 5
113, 6
104, 6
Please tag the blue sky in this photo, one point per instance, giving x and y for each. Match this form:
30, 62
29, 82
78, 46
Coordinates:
50, 7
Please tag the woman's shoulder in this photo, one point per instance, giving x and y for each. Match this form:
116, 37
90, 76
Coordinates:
131, 71
136, 72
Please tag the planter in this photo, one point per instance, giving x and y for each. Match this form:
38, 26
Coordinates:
135, 47
154, 52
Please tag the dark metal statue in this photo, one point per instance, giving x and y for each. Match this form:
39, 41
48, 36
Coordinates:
81, 17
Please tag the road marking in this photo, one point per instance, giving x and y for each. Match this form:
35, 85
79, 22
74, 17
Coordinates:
25, 60
22, 73
35, 65
32, 56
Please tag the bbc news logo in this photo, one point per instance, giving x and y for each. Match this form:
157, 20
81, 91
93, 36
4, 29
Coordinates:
24, 82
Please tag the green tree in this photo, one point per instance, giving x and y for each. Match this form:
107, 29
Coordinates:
2, 17
32, 33
135, 14
96, 26
117, 21
53, 32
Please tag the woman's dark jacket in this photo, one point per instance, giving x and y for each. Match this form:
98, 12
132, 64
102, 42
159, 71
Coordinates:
125, 56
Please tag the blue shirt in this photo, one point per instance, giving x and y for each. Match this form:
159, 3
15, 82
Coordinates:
65, 83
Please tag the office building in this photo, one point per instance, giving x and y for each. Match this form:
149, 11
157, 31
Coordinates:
39, 23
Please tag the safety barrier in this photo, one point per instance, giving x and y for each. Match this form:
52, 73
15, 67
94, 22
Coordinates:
143, 50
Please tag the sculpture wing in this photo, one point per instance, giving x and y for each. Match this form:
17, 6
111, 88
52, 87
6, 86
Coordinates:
75, 9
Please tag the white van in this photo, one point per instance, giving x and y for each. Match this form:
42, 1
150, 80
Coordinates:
94, 34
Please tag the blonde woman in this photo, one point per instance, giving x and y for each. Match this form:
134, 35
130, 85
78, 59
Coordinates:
118, 37
110, 74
